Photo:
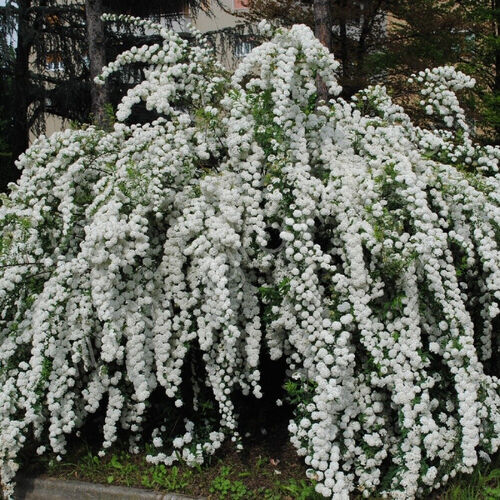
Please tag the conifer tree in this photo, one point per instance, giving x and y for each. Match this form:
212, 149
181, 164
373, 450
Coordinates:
59, 47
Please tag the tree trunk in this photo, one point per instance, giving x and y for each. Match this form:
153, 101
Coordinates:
368, 28
20, 131
97, 58
496, 89
323, 31
322, 22
344, 49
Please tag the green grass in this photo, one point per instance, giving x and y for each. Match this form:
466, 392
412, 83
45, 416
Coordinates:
482, 484
252, 475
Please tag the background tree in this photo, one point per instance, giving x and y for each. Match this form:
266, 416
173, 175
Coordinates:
323, 31
97, 58
44, 65
425, 33
51, 50
375, 39
7, 56
49, 65
352, 30
104, 44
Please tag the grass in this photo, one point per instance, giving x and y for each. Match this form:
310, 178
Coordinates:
482, 484
265, 470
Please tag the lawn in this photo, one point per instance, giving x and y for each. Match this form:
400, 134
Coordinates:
268, 468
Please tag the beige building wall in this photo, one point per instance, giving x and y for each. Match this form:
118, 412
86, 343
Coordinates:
229, 51
220, 17
53, 124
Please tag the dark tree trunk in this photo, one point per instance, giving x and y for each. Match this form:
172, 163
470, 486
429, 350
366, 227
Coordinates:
344, 43
323, 31
371, 12
496, 89
97, 58
322, 22
20, 132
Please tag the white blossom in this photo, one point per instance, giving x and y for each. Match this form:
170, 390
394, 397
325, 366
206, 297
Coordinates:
246, 218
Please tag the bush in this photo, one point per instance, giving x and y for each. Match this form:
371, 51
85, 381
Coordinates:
247, 220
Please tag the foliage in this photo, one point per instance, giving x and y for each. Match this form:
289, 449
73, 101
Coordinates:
464, 33
224, 487
254, 476
262, 477
49, 67
44, 56
245, 218
358, 30
390, 39
7, 56
6, 93
484, 483
170, 479
299, 489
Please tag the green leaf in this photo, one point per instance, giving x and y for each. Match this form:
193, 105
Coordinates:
115, 463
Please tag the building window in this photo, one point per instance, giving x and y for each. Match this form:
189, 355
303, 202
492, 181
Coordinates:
52, 20
242, 48
53, 62
240, 4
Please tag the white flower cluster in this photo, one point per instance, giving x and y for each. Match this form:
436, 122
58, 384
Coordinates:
166, 258
439, 87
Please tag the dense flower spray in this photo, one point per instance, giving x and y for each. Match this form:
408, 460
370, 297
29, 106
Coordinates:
247, 217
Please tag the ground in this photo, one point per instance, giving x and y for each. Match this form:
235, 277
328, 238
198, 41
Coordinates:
268, 468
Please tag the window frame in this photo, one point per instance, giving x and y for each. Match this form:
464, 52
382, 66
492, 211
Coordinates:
243, 7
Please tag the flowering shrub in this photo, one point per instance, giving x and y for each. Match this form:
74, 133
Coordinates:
247, 218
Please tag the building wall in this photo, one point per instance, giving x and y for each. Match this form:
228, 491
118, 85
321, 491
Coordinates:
53, 124
219, 18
